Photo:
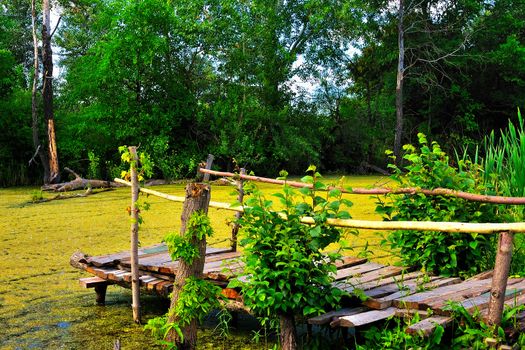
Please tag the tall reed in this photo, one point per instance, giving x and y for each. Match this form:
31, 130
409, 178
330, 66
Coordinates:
504, 166
504, 161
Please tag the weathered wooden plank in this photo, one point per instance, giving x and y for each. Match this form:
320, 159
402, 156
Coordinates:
164, 287
381, 273
395, 287
426, 327
109, 259
413, 301
170, 267
387, 301
446, 298
399, 279
410, 313
357, 270
331, 315
349, 261
91, 282
366, 317
512, 302
481, 276
152, 285
162, 262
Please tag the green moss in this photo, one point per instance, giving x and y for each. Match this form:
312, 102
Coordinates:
41, 303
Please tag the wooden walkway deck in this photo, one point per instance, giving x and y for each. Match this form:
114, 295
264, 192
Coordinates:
389, 290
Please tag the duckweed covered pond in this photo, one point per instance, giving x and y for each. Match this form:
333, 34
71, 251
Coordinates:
42, 305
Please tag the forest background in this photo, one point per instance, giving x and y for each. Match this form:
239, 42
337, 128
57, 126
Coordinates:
261, 84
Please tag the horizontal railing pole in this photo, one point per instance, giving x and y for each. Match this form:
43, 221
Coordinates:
217, 205
459, 227
379, 191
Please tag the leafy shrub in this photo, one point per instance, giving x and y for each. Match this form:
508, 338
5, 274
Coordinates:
443, 253
287, 272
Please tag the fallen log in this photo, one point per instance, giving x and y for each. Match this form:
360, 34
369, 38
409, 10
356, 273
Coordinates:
88, 192
79, 183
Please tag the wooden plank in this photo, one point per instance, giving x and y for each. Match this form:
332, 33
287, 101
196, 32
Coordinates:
411, 277
381, 273
399, 279
357, 270
387, 301
426, 327
170, 267
446, 298
410, 313
91, 282
331, 315
152, 285
394, 287
349, 261
513, 302
481, 276
413, 301
162, 262
110, 259
366, 317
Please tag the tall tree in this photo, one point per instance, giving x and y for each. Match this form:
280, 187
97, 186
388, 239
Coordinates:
399, 81
47, 94
39, 148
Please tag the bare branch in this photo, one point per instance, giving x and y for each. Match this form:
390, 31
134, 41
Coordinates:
54, 30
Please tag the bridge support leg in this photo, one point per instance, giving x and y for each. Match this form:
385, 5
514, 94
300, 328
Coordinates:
499, 280
100, 289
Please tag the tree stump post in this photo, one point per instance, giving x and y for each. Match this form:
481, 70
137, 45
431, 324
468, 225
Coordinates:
135, 281
197, 199
238, 215
500, 277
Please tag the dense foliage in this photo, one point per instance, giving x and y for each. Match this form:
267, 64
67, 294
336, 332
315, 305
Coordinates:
258, 82
287, 271
442, 253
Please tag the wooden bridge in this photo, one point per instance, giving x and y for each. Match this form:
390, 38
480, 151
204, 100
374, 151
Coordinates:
375, 292
390, 291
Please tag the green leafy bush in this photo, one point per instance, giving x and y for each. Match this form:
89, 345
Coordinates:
286, 269
443, 253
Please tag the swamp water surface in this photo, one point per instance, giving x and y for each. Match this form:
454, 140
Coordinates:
42, 305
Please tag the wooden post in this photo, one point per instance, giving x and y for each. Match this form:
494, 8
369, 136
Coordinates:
499, 280
197, 199
209, 162
135, 282
238, 215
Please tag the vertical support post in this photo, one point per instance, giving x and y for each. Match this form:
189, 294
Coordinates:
238, 215
197, 199
100, 290
209, 162
135, 281
500, 277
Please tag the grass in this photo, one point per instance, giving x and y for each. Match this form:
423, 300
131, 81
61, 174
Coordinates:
41, 303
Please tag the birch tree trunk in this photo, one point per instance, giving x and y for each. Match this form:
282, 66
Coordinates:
399, 83
39, 149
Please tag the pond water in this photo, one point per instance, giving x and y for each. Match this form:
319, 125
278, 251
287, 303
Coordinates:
42, 305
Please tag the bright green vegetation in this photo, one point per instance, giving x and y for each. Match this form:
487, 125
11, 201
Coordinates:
155, 73
288, 272
41, 302
450, 254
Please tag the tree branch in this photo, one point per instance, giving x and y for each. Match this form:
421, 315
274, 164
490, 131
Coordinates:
54, 30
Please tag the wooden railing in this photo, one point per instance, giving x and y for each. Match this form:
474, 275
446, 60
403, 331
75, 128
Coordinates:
505, 230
